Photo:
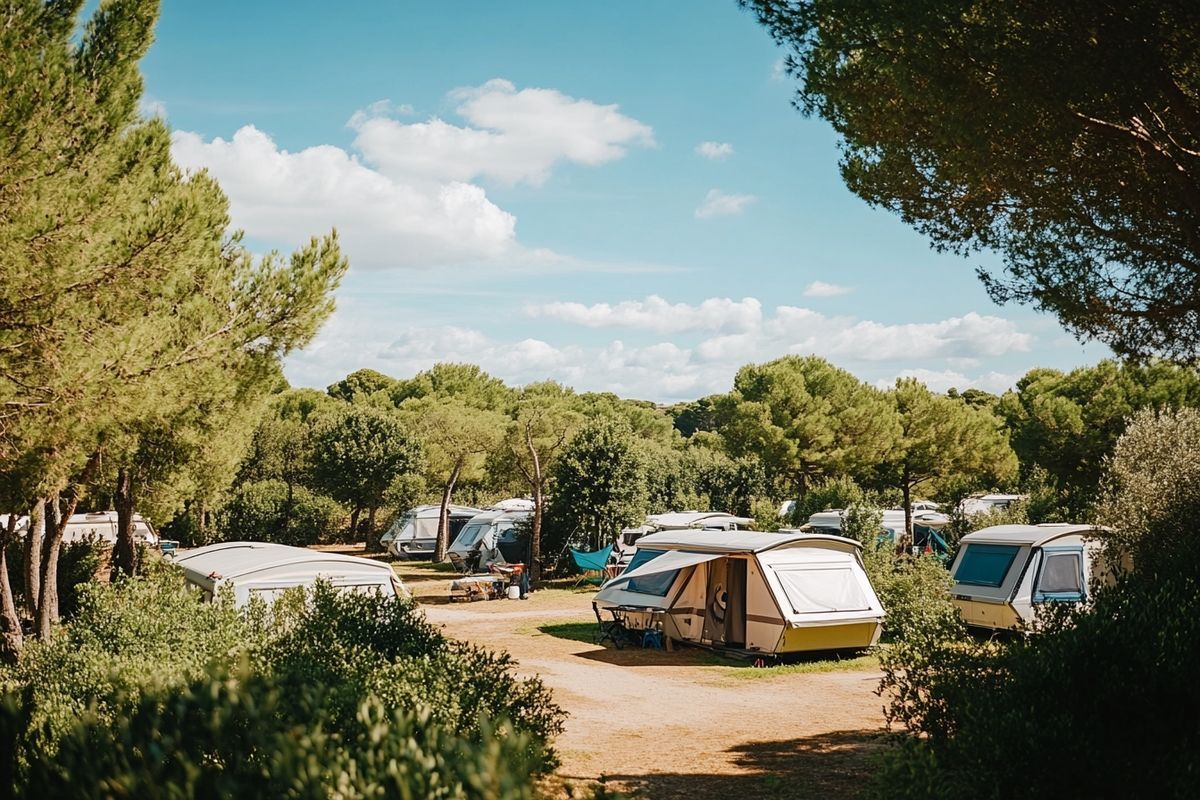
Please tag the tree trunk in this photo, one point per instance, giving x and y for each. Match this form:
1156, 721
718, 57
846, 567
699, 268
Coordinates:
539, 496
370, 542
125, 551
354, 512
443, 534
33, 556
11, 639
906, 491
48, 608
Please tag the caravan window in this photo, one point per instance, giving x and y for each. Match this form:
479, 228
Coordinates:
657, 584
642, 556
816, 589
1060, 576
985, 564
471, 533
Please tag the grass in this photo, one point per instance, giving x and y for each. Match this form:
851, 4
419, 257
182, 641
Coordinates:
862, 662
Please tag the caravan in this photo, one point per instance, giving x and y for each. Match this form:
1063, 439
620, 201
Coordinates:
765, 593
927, 525
102, 525
414, 533
266, 570
1002, 573
625, 546
490, 537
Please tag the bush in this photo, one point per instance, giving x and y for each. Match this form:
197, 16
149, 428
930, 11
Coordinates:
150, 692
78, 564
265, 511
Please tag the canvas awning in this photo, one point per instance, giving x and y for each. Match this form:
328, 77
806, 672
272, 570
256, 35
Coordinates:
669, 561
647, 584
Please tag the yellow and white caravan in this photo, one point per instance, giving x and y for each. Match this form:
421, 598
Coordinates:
1002, 573
768, 593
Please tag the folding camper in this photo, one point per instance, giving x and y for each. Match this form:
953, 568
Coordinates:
265, 570
1002, 573
767, 593
626, 543
415, 532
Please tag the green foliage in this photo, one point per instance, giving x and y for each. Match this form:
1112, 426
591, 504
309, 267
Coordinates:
271, 511
358, 452
1061, 135
599, 486
153, 693
361, 383
730, 484
807, 419
78, 563
828, 493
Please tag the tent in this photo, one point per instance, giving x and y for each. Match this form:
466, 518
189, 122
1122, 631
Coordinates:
1003, 572
766, 593
415, 532
265, 570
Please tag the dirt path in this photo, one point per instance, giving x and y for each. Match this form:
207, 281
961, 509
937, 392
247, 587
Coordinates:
681, 724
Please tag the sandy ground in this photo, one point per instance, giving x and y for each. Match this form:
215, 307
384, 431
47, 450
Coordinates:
674, 724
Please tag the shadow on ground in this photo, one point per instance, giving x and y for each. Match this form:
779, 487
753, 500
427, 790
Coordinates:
837, 764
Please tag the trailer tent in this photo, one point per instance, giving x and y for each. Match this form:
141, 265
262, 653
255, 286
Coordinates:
769, 593
1003, 572
265, 570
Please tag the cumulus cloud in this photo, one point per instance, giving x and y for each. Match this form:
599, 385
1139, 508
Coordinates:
823, 289
714, 150
708, 342
719, 204
511, 136
656, 314
406, 196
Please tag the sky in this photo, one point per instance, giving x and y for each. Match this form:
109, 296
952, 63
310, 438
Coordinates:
618, 196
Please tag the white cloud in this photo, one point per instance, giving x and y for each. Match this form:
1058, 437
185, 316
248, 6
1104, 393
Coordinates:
407, 198
512, 136
149, 107
714, 150
708, 342
286, 196
719, 204
779, 69
823, 289
656, 314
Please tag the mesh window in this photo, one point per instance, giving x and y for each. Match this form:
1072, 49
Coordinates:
657, 584
1061, 574
985, 564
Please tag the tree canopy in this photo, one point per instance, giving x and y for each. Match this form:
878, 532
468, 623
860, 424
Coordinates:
1065, 136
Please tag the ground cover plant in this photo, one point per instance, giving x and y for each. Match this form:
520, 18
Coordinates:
150, 693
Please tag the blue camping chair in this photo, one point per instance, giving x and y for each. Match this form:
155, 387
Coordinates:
591, 562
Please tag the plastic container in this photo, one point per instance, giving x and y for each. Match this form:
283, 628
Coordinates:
514, 593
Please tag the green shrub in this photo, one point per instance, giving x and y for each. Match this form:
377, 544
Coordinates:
78, 563
266, 511
150, 692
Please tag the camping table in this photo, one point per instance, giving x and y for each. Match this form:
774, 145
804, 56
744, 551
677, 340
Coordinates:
478, 587
639, 623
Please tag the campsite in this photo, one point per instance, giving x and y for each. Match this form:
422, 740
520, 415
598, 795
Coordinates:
599, 401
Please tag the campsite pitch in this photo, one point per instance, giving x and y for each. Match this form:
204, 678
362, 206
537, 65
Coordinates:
689, 723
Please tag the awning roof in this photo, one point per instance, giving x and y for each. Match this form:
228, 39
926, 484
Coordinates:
668, 561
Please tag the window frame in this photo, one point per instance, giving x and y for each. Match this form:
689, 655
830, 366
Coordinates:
1038, 596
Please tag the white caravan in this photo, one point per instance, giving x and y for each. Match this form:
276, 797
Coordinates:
103, 525
265, 570
414, 533
480, 542
626, 545
983, 503
1002, 573
767, 593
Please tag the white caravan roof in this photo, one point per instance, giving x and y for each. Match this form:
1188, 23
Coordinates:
1029, 535
725, 542
513, 504
696, 519
238, 561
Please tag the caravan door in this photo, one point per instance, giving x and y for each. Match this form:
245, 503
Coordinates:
725, 603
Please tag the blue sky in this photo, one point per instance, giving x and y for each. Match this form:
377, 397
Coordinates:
527, 185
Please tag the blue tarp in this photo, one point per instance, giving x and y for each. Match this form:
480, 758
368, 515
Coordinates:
591, 562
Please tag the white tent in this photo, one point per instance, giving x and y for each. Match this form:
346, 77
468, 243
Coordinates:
484, 534
414, 533
265, 570
770, 593
1003, 572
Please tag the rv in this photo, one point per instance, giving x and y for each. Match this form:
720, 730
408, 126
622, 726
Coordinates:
265, 571
486, 537
415, 532
1003, 573
764, 593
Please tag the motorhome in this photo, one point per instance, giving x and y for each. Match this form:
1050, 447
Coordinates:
414, 533
1003, 573
763, 593
265, 570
